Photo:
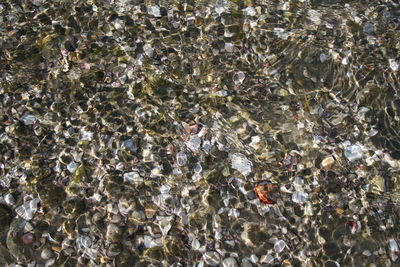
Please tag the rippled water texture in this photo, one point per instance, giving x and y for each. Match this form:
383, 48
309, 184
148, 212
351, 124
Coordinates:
199, 133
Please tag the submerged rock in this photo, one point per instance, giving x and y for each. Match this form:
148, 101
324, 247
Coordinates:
241, 163
353, 152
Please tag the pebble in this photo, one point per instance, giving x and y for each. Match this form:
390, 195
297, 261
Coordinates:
246, 263
393, 245
195, 244
229, 47
279, 246
72, 166
46, 254
130, 145
28, 119
353, 152
394, 65
241, 164
133, 178
229, 262
299, 197
165, 223
212, 258
328, 162
367, 253
9, 199
254, 259
194, 143
85, 241
181, 158
323, 57
154, 10
369, 28
268, 259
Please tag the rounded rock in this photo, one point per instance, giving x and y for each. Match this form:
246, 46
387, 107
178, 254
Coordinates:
212, 258
229, 262
46, 254
28, 238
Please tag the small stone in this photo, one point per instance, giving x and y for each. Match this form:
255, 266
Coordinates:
133, 178
299, 197
229, 262
250, 11
328, 163
229, 47
212, 258
195, 244
165, 223
181, 158
85, 241
28, 119
148, 50
113, 233
353, 152
9, 199
154, 10
369, 28
194, 143
129, 145
367, 253
50, 262
393, 245
239, 77
324, 57
254, 259
268, 259
279, 246
241, 163
86, 135
314, 16
46, 254
246, 263
394, 65
72, 166
253, 235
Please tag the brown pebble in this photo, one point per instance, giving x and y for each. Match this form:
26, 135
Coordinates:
328, 163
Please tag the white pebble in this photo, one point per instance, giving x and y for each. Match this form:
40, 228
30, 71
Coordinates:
299, 197
241, 163
353, 152
154, 10
393, 245
279, 246
394, 65
212, 258
229, 262
28, 119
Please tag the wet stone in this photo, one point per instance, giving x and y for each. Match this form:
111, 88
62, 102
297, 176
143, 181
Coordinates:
212, 258
353, 152
229, 262
241, 163
279, 246
208, 133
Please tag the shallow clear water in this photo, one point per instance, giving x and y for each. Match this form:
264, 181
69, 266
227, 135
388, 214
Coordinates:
222, 133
